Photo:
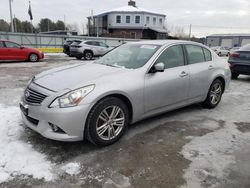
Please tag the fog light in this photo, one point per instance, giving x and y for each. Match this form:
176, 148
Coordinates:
56, 128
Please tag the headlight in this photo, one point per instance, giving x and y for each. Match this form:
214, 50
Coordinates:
72, 98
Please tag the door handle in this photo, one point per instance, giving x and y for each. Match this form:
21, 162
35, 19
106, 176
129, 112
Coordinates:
210, 67
183, 74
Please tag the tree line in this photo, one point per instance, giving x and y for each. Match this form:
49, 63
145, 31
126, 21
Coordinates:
44, 25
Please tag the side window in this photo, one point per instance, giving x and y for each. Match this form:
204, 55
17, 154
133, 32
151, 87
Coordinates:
208, 55
195, 54
118, 19
103, 45
2, 45
12, 45
172, 57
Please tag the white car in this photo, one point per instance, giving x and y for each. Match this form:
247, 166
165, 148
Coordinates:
89, 49
221, 51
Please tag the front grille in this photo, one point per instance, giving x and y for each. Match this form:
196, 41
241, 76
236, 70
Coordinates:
32, 120
33, 96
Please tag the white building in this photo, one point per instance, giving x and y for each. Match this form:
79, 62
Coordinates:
128, 22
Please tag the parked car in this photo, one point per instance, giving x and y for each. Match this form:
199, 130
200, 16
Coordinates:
221, 51
89, 49
66, 45
240, 62
10, 51
137, 80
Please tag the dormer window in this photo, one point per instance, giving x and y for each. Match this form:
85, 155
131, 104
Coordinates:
118, 19
137, 19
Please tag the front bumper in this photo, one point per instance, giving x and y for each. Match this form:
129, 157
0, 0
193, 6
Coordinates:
70, 120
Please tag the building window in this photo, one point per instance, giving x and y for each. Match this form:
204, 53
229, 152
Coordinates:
154, 20
127, 19
118, 19
147, 19
160, 21
137, 19
133, 35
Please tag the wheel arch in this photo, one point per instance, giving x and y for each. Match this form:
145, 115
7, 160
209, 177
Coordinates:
222, 79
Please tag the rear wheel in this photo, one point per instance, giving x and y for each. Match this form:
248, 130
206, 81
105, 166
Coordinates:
219, 54
235, 75
33, 58
214, 94
88, 55
107, 121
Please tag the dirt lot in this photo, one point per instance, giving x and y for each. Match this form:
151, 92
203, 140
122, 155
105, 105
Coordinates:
191, 147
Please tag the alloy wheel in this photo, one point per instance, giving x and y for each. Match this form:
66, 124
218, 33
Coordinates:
110, 123
215, 93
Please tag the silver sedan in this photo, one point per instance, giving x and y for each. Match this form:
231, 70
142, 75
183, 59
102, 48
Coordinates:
97, 101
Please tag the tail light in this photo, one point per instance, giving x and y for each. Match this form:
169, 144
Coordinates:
235, 55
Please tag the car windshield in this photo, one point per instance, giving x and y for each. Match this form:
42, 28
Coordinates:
130, 56
245, 48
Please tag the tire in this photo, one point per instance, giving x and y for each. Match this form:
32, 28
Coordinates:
214, 94
100, 117
88, 55
219, 54
234, 76
79, 57
33, 57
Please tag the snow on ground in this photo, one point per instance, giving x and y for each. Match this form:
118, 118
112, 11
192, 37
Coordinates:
213, 154
72, 168
17, 157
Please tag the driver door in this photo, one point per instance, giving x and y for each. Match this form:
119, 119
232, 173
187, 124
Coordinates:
169, 89
14, 51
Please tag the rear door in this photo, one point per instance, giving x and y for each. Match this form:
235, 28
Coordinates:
3, 51
168, 89
201, 68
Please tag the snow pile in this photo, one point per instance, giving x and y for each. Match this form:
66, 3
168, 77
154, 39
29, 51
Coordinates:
17, 157
72, 168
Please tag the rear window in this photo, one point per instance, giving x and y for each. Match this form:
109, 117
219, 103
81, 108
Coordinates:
208, 55
75, 43
195, 54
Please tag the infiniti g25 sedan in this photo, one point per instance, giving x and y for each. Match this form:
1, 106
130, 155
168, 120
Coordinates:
98, 100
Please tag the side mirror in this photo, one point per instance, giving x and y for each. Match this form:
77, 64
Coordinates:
159, 67
21, 47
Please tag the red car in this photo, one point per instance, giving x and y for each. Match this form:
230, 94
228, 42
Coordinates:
12, 51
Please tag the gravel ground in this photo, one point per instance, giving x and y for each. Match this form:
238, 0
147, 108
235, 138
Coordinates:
191, 147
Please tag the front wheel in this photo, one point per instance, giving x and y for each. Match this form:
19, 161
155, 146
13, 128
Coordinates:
214, 94
33, 58
107, 121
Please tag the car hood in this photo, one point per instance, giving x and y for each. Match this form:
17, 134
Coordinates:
70, 77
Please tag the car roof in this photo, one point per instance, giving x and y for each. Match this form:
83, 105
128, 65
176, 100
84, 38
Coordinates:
166, 42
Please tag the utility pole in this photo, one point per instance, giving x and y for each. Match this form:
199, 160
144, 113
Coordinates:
64, 22
11, 17
190, 31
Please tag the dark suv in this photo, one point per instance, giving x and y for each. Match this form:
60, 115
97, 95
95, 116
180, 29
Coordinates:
240, 62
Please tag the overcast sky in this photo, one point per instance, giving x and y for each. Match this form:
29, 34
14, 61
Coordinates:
206, 16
